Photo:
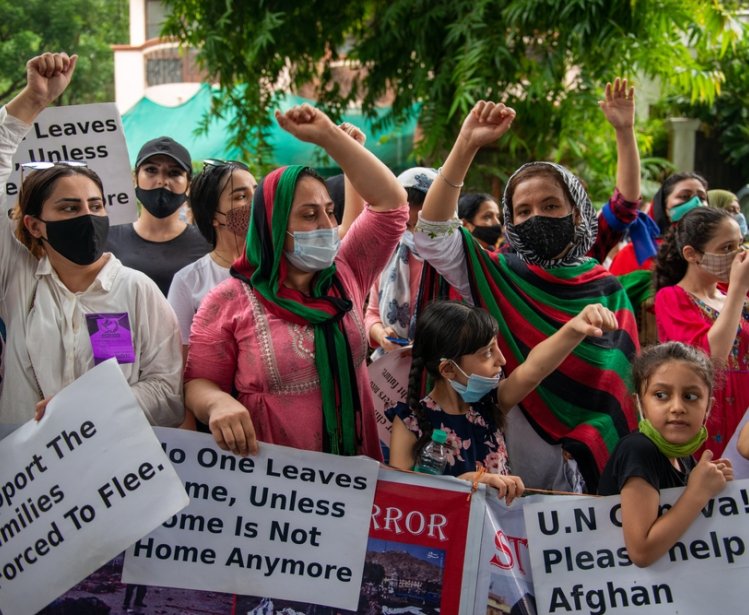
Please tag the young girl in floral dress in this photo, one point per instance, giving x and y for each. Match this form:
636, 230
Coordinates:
456, 346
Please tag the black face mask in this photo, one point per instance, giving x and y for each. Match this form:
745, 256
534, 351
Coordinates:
81, 239
160, 202
546, 236
488, 234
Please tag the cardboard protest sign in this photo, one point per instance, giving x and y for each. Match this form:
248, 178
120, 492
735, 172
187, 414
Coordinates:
77, 488
83, 133
580, 563
388, 379
285, 523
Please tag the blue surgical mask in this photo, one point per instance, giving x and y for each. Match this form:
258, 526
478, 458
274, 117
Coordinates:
741, 220
477, 386
678, 212
314, 250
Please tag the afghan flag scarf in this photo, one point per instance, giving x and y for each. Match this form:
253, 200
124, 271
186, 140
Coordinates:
264, 268
585, 403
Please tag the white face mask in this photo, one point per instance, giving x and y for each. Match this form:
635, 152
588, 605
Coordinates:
314, 250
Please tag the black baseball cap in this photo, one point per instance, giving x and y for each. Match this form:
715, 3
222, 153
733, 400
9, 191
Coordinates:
166, 146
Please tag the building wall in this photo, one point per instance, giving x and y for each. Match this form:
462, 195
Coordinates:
155, 68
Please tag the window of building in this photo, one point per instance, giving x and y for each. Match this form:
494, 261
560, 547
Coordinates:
155, 17
163, 70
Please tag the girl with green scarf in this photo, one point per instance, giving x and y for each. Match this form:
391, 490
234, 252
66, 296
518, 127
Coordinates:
277, 353
674, 388
566, 428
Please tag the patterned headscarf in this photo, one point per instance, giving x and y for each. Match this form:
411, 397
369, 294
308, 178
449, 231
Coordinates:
585, 230
264, 268
396, 308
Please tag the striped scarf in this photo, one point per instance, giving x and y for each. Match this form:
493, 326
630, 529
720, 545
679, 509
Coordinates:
264, 268
585, 403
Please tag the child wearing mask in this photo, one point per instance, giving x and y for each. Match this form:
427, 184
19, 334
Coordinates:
456, 346
674, 386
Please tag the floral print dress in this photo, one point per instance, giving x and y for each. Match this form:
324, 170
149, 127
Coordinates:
472, 437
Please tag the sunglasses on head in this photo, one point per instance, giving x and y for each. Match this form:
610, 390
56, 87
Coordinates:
42, 165
215, 162
39, 166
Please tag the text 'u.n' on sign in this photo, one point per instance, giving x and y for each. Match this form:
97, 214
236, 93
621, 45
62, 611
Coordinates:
77, 488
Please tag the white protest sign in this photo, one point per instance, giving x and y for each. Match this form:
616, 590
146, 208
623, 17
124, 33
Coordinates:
77, 488
86, 133
388, 379
286, 523
731, 452
580, 563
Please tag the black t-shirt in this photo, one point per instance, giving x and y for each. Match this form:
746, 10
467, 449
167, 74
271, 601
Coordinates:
637, 455
159, 260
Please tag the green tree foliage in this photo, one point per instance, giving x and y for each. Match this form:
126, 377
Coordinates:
547, 58
252, 50
727, 116
85, 27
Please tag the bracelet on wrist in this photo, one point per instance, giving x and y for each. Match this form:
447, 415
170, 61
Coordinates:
448, 182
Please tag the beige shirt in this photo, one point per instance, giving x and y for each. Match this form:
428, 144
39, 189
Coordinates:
48, 343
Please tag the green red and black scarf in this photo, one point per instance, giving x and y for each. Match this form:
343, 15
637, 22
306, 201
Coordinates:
584, 404
264, 268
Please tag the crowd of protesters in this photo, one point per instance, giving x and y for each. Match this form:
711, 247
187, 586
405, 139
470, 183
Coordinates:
278, 309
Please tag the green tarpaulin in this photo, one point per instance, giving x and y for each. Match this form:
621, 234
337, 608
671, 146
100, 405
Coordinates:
147, 120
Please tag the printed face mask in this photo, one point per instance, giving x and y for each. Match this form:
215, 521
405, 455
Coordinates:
678, 212
548, 237
718, 264
488, 234
477, 386
160, 202
237, 220
314, 250
81, 239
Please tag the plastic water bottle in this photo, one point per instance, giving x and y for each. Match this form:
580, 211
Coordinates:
433, 457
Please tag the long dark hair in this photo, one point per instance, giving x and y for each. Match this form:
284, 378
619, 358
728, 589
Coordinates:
447, 330
695, 229
36, 188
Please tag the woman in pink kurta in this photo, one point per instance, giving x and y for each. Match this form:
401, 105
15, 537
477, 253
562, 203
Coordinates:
277, 353
699, 251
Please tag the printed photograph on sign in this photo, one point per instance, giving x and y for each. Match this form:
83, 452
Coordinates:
508, 594
401, 575
398, 578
